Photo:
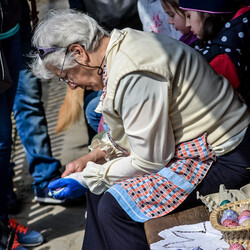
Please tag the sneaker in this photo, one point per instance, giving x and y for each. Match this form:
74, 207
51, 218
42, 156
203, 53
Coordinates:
42, 196
25, 236
16, 245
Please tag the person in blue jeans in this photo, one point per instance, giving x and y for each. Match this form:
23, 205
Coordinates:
31, 122
10, 43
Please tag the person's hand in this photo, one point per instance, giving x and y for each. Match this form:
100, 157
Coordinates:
70, 187
75, 166
97, 156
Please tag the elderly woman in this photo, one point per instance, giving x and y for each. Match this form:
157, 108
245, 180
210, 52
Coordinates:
173, 126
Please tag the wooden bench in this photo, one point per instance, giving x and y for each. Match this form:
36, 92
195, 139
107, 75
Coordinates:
190, 216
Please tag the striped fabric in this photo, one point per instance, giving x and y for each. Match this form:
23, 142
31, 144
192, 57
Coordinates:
155, 195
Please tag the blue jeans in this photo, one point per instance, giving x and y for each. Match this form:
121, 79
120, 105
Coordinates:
32, 128
29, 114
12, 52
91, 101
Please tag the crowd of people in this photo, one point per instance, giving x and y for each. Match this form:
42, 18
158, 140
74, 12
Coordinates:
173, 109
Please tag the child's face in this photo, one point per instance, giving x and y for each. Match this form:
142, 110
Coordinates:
175, 18
194, 22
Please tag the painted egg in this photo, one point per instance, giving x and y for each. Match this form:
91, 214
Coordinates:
244, 213
243, 207
230, 223
229, 213
243, 218
246, 223
236, 246
224, 202
230, 217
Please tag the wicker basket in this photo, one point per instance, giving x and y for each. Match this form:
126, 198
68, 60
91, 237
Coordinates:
240, 234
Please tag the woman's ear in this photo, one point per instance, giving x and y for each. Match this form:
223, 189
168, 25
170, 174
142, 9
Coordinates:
78, 52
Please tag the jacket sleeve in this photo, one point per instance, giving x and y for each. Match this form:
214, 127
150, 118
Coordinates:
223, 65
142, 103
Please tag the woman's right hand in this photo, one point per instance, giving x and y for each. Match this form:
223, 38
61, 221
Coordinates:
97, 156
75, 166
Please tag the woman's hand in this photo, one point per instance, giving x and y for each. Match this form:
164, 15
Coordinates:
75, 166
70, 187
97, 156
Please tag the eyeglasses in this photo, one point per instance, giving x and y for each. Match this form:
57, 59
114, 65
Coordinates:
43, 51
61, 79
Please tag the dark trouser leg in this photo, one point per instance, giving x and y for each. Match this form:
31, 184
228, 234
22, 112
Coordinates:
229, 169
12, 52
109, 227
94, 237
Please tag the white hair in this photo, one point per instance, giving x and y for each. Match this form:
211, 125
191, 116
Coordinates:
60, 29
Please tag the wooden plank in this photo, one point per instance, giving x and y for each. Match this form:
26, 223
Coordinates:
189, 216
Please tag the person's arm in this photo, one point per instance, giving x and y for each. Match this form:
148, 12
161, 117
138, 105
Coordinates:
142, 102
224, 66
72, 184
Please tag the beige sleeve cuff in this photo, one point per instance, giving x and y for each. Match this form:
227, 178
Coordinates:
105, 145
96, 176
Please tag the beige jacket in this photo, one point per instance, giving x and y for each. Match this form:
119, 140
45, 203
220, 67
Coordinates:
160, 92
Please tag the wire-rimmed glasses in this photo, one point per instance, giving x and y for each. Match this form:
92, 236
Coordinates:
62, 79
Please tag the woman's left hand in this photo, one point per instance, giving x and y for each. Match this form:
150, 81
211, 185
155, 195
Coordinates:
70, 187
